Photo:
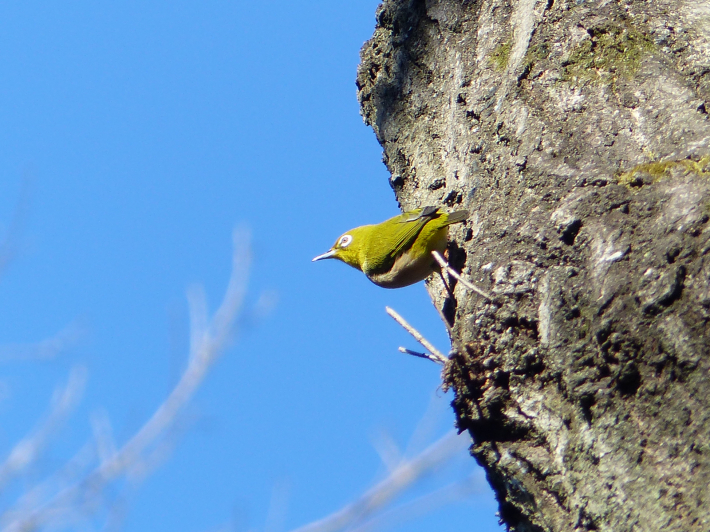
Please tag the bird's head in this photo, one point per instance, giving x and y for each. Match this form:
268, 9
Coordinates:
348, 247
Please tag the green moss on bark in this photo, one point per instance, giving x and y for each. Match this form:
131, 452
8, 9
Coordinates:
609, 54
648, 173
501, 55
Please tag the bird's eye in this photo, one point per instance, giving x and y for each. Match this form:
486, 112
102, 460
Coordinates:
345, 241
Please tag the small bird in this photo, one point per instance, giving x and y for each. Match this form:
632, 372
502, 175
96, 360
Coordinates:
397, 252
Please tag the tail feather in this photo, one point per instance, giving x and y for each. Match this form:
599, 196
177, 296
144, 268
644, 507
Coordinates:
456, 217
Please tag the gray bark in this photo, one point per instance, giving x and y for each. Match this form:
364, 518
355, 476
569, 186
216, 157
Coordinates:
577, 134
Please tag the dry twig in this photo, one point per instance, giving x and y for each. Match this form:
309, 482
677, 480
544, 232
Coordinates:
445, 266
418, 354
436, 355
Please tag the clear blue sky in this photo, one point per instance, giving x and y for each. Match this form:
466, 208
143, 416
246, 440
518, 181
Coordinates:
148, 130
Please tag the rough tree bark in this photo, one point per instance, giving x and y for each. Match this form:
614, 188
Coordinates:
577, 134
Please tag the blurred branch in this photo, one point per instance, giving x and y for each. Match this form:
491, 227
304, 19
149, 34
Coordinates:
29, 448
46, 349
400, 478
387, 449
209, 338
276, 516
421, 505
9, 244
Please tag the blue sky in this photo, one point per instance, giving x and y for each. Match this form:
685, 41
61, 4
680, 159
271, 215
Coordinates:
144, 132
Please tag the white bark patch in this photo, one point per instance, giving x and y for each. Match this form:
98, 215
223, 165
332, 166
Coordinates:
516, 277
683, 206
678, 336
696, 14
544, 311
568, 99
526, 16
608, 246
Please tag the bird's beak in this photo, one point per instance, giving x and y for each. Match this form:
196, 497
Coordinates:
326, 255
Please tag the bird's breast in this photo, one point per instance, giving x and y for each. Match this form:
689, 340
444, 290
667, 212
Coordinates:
407, 269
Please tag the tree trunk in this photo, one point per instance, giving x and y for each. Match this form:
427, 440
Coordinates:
577, 134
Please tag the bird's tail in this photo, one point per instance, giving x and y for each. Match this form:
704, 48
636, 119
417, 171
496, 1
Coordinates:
456, 217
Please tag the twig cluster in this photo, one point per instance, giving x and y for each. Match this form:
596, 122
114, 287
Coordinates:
433, 353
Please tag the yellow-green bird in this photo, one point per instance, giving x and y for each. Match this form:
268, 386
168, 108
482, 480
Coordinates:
397, 252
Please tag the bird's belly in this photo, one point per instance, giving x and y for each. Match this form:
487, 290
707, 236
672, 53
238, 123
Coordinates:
406, 270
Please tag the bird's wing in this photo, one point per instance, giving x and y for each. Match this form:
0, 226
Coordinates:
397, 238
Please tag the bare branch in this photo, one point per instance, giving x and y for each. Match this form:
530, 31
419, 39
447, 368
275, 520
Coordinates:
8, 246
27, 450
419, 354
46, 349
437, 356
74, 469
233, 300
421, 505
398, 480
103, 435
388, 450
278, 506
213, 341
197, 305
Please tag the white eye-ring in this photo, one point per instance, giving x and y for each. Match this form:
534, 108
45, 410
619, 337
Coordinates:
345, 241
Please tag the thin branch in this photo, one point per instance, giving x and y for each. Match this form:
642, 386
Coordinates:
203, 353
9, 245
388, 450
278, 506
427, 426
445, 265
27, 450
197, 305
103, 435
419, 354
382, 493
437, 355
421, 505
74, 469
46, 349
